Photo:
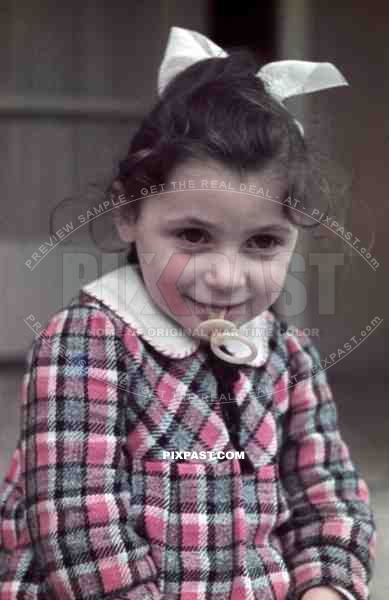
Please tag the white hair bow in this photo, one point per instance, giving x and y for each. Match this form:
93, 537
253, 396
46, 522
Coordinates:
283, 78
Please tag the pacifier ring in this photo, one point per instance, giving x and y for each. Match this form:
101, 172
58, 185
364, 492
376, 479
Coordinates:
217, 329
219, 340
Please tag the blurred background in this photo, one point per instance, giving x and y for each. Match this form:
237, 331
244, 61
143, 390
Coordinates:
76, 79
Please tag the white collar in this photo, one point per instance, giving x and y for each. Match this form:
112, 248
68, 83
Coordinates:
124, 291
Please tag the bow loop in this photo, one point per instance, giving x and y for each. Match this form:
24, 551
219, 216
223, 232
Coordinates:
184, 48
287, 78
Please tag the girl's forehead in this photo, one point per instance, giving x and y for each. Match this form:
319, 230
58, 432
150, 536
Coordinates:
212, 170
214, 191
234, 210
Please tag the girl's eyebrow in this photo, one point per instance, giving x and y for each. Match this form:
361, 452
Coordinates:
201, 223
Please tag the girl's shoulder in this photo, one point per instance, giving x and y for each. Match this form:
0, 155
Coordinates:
83, 326
86, 314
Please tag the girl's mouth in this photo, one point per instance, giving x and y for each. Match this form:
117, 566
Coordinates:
200, 309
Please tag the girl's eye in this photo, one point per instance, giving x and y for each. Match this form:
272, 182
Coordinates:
267, 242
193, 233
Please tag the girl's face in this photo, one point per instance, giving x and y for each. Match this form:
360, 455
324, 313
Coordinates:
204, 241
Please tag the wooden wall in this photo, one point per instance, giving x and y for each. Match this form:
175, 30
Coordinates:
75, 80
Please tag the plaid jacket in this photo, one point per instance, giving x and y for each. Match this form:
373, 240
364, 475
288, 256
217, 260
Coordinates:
90, 508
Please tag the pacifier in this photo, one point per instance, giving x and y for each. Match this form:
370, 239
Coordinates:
217, 329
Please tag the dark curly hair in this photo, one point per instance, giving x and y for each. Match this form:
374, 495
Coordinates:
218, 109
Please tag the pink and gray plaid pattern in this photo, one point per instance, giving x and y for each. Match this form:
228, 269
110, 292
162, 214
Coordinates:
89, 509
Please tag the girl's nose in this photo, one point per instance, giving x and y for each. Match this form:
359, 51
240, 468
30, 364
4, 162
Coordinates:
228, 272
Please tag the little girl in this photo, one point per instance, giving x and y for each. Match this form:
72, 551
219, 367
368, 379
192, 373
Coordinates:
159, 457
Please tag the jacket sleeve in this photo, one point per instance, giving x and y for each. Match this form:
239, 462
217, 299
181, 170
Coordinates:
77, 477
330, 537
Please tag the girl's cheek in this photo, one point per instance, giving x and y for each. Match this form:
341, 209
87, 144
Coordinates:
279, 264
275, 274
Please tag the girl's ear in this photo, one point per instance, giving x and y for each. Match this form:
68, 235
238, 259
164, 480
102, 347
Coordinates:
125, 225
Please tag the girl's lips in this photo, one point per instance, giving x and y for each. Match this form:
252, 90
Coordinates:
205, 309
